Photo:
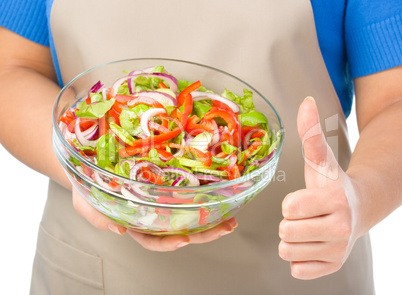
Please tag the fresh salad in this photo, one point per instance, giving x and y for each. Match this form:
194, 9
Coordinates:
155, 129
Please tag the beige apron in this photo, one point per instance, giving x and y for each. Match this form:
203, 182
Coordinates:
270, 44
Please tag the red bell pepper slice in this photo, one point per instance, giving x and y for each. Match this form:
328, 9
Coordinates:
149, 141
204, 213
162, 85
190, 88
150, 176
110, 93
113, 184
123, 99
230, 118
250, 149
185, 100
193, 127
182, 115
144, 100
203, 157
165, 119
163, 199
102, 126
84, 124
157, 127
115, 115
168, 156
67, 118
259, 133
221, 105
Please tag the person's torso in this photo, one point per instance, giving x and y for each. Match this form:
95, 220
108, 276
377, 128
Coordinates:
273, 46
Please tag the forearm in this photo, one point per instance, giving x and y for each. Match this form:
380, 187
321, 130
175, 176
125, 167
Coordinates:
376, 167
27, 99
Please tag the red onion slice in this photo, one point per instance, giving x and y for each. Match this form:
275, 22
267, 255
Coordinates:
178, 181
200, 95
215, 134
180, 152
170, 80
157, 126
163, 98
247, 137
153, 167
146, 70
139, 193
126, 193
137, 72
130, 86
104, 94
67, 135
105, 184
193, 180
233, 160
208, 177
130, 163
84, 138
147, 116
264, 160
94, 89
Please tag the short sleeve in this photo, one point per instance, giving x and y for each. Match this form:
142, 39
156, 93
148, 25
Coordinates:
26, 18
373, 35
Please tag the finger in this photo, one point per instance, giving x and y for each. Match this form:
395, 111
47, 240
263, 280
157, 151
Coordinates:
214, 233
313, 269
308, 203
307, 230
94, 217
313, 251
320, 163
159, 243
308, 126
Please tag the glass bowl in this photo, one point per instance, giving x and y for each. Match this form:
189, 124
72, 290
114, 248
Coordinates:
157, 209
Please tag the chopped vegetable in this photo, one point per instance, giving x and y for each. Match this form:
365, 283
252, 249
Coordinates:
150, 127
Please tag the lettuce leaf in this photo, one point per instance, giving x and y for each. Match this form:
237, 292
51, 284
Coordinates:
252, 118
130, 121
121, 133
245, 102
228, 148
107, 151
95, 97
123, 89
81, 147
200, 109
96, 110
122, 169
183, 84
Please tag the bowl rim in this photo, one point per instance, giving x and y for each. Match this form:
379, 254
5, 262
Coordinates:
93, 166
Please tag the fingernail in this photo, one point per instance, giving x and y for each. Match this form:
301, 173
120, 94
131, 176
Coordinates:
310, 99
114, 229
226, 232
182, 244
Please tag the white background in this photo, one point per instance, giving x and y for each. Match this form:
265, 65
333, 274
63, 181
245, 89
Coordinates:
23, 197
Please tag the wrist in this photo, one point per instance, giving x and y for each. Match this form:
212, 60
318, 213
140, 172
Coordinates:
372, 203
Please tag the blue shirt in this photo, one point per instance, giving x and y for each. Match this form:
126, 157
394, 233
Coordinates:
356, 37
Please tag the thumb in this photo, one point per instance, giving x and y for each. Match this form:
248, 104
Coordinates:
320, 162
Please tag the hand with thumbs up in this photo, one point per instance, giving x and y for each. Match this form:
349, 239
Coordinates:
320, 222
